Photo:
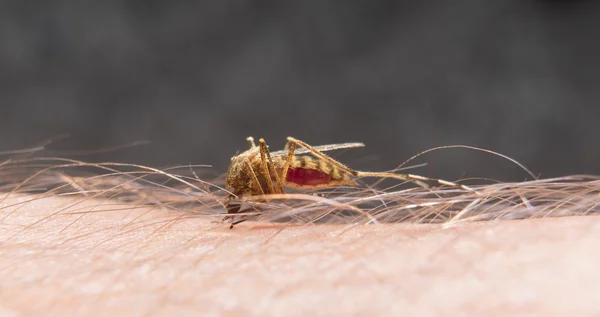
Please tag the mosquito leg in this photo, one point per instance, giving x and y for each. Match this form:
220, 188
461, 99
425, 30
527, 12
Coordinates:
421, 180
268, 167
322, 156
288, 161
265, 166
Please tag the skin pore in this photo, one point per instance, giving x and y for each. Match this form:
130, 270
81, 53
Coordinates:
65, 256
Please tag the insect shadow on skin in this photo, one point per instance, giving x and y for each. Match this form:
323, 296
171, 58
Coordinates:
260, 172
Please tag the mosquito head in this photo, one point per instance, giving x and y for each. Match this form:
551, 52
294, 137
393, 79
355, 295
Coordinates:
238, 174
232, 206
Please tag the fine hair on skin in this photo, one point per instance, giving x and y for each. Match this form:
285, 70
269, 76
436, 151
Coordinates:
186, 194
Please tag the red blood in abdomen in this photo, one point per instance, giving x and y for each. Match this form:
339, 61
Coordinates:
307, 177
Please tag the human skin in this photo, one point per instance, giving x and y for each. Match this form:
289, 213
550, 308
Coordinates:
67, 256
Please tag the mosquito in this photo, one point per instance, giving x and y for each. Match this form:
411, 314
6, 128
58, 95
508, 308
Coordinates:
260, 172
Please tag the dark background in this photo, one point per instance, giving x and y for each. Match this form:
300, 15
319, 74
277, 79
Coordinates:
196, 77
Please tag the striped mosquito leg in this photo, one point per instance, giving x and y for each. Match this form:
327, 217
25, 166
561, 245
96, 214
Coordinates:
288, 160
420, 180
269, 168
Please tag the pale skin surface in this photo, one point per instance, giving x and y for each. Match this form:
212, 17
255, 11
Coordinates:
98, 265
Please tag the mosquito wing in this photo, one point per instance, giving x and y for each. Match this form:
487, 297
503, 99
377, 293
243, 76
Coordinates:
321, 148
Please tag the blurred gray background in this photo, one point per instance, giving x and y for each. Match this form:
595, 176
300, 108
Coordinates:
196, 77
